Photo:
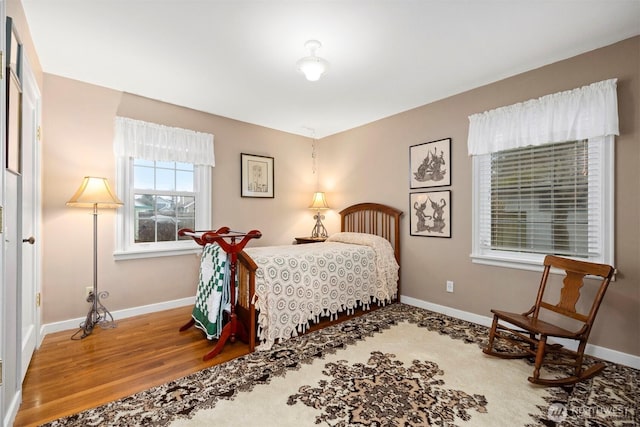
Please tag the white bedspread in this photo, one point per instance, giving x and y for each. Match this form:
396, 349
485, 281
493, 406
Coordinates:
386, 264
299, 283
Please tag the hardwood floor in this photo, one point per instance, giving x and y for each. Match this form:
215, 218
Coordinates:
68, 376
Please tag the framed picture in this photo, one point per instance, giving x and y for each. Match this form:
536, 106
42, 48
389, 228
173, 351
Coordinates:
257, 176
430, 164
430, 213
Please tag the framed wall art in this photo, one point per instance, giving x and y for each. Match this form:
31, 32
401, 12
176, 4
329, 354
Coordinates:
430, 213
257, 176
430, 164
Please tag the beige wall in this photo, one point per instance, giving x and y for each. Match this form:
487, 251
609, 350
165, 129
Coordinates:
371, 163
78, 123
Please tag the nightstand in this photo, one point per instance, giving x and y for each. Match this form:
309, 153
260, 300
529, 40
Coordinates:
301, 240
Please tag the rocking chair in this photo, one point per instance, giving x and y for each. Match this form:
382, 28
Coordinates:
530, 333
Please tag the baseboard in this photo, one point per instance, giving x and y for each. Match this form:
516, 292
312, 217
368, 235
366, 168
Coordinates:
66, 325
593, 350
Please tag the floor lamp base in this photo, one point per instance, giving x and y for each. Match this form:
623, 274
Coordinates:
98, 315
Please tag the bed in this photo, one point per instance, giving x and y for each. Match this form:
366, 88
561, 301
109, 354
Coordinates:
281, 290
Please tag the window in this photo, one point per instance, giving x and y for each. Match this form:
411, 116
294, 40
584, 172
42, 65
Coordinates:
543, 175
161, 195
163, 200
547, 199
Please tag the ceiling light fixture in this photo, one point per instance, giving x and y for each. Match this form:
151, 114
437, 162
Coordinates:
312, 66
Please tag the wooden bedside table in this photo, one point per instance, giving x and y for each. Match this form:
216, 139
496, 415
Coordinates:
301, 240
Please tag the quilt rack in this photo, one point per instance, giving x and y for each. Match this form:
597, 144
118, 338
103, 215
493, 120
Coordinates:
232, 242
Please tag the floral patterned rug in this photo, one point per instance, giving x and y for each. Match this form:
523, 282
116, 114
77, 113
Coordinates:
396, 366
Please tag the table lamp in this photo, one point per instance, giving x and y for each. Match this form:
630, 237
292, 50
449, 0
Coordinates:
319, 203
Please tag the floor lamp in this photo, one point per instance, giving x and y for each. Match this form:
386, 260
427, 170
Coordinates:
95, 193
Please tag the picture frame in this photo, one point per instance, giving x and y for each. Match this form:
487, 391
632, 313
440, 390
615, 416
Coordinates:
256, 176
430, 164
430, 213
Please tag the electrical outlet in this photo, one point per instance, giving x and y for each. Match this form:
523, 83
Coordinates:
449, 286
87, 291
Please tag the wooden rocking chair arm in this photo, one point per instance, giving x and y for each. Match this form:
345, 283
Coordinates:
531, 310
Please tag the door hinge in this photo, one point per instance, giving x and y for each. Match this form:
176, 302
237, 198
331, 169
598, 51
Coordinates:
38, 299
1, 370
38, 133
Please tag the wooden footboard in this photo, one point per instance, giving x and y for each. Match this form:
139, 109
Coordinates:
246, 290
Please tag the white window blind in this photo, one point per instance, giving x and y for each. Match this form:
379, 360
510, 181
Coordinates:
542, 200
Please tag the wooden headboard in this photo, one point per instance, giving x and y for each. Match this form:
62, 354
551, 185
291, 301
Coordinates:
374, 218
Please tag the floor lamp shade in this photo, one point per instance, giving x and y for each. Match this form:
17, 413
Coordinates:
94, 192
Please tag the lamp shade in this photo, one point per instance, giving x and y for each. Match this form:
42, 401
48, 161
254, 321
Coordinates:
319, 201
94, 191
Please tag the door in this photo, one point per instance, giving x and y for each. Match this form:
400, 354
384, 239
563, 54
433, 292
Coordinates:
30, 189
10, 328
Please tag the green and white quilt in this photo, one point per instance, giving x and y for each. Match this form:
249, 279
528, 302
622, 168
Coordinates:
212, 294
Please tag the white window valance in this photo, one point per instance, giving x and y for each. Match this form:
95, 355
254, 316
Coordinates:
587, 112
151, 141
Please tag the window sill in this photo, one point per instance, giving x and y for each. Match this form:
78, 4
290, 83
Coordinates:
155, 253
532, 263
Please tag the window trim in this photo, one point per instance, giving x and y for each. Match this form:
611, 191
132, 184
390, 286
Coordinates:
125, 247
532, 261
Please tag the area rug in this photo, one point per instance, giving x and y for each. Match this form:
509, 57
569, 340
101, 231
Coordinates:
396, 366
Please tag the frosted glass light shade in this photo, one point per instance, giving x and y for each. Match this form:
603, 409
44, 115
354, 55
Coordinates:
312, 66
94, 191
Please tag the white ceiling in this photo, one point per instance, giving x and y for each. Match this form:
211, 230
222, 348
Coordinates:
236, 58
